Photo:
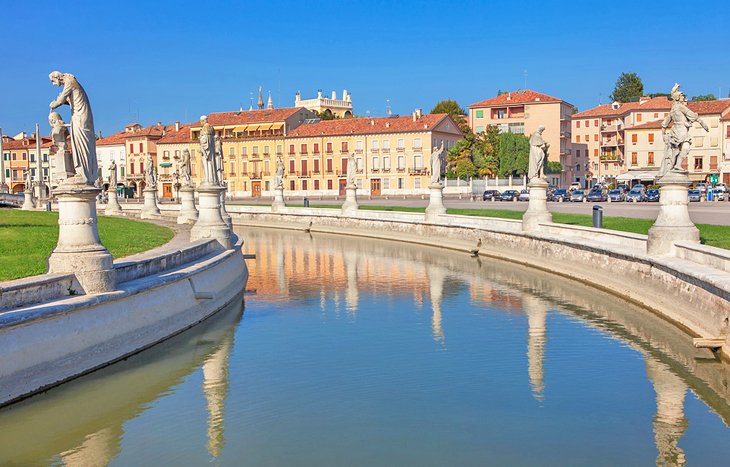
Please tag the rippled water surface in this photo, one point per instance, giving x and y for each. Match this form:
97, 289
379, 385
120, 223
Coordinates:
354, 352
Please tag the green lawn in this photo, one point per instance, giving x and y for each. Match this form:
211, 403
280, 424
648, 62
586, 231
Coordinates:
28, 237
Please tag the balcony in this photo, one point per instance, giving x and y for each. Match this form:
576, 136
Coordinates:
231, 174
611, 128
344, 151
400, 170
329, 172
359, 171
418, 149
421, 171
266, 153
400, 149
612, 142
386, 170
267, 174
329, 151
375, 171
358, 151
385, 150
374, 150
304, 174
255, 176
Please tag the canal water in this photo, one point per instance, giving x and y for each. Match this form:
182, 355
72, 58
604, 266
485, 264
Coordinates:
356, 352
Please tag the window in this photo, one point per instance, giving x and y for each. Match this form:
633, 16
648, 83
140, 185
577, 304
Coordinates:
386, 145
375, 145
386, 183
255, 151
121, 171
329, 166
303, 148
634, 138
316, 184
358, 182
651, 158
291, 149
595, 137
232, 168
386, 163
131, 148
402, 144
266, 151
699, 141
595, 153
417, 162
292, 185
499, 113
292, 168
165, 154
698, 163
480, 114
131, 168
244, 151
651, 138
232, 151
595, 123
343, 147
141, 167
577, 124
714, 142
656, 114
32, 157
315, 148
376, 163
577, 138
359, 166
279, 149
417, 182
401, 183
358, 146
638, 117
401, 163
304, 168
329, 184
244, 167
577, 153
316, 166
304, 184
141, 150
417, 144
329, 148
634, 159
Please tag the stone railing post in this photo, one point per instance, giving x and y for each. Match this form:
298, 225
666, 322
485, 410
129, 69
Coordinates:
188, 211
210, 223
673, 223
435, 202
537, 211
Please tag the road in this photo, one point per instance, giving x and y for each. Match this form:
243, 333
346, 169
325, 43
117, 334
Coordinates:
701, 213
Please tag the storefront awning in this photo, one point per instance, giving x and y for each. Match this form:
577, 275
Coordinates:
276, 126
265, 126
166, 164
643, 175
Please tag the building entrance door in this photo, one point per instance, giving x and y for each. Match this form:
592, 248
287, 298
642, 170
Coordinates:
343, 185
375, 187
167, 190
256, 189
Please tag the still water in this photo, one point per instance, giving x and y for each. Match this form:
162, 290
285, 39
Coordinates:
358, 352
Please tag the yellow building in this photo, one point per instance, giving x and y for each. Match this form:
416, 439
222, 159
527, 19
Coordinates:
521, 112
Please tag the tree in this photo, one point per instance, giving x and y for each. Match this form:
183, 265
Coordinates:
514, 154
553, 167
628, 87
448, 106
704, 97
659, 94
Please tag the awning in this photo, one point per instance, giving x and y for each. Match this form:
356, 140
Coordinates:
643, 175
265, 126
697, 177
252, 127
166, 164
276, 126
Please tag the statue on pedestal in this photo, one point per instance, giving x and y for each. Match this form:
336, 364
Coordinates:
437, 165
59, 150
113, 175
679, 141
83, 137
279, 179
207, 149
351, 170
538, 147
219, 160
149, 173
185, 169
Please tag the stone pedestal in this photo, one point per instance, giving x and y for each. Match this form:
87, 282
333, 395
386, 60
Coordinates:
4, 187
537, 211
28, 202
224, 214
673, 223
188, 211
435, 202
113, 208
350, 206
210, 224
79, 250
150, 210
278, 199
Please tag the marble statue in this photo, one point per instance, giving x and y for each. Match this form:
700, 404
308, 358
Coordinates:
679, 141
83, 137
113, 175
185, 169
437, 164
207, 149
219, 160
149, 173
538, 147
59, 135
351, 169
279, 180
28, 181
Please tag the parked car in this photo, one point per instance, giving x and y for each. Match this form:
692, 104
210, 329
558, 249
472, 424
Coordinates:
578, 196
624, 188
509, 195
524, 195
561, 194
637, 194
722, 187
617, 195
596, 196
695, 195
574, 186
702, 187
491, 194
719, 193
652, 195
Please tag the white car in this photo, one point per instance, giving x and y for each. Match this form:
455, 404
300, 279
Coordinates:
524, 195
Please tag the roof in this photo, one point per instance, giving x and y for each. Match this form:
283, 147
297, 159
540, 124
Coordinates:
177, 136
366, 125
157, 130
251, 116
116, 138
607, 110
653, 125
526, 96
26, 143
709, 107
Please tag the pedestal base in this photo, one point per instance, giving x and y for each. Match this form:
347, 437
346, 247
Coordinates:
350, 206
150, 210
537, 211
28, 201
278, 203
224, 214
79, 250
435, 202
210, 224
188, 211
4, 188
113, 208
673, 223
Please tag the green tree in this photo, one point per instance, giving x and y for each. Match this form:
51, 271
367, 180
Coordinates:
464, 169
659, 94
514, 154
704, 97
628, 87
449, 106
553, 167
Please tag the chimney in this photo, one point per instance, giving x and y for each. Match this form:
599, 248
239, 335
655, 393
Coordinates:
414, 116
100, 135
419, 113
319, 93
334, 95
177, 126
509, 96
387, 124
372, 122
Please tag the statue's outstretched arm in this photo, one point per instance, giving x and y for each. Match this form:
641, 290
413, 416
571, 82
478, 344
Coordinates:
63, 97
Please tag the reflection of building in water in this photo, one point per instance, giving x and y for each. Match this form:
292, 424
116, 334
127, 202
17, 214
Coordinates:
351, 294
436, 276
536, 310
215, 387
98, 449
669, 422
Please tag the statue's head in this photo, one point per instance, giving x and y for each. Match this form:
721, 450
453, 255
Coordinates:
55, 119
677, 95
186, 152
203, 119
56, 78
541, 128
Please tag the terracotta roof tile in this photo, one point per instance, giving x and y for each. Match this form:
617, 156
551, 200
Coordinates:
251, 116
606, 110
517, 97
653, 125
116, 138
25, 143
710, 107
150, 131
179, 136
360, 126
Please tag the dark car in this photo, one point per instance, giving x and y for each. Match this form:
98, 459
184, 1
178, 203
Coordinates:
596, 196
616, 195
509, 195
652, 195
695, 195
561, 194
490, 194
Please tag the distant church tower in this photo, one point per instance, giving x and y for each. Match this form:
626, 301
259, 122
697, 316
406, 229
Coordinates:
261, 98
270, 104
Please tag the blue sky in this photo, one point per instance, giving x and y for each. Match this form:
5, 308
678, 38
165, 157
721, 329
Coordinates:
167, 61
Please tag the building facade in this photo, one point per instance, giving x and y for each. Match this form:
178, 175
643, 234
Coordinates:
521, 112
20, 155
328, 107
112, 148
139, 143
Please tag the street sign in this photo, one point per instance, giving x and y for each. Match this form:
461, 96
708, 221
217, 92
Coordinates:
714, 178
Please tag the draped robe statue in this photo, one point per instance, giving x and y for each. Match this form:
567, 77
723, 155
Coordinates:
207, 149
113, 175
83, 137
437, 165
351, 169
219, 160
536, 167
679, 141
185, 169
149, 173
279, 180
